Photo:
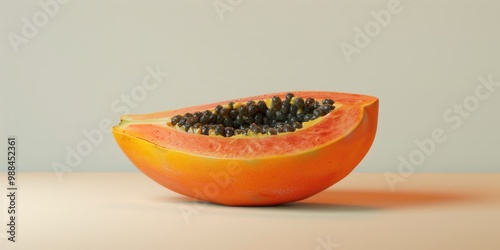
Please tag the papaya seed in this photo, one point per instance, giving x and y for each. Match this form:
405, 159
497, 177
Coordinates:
272, 131
288, 128
252, 109
328, 101
243, 110
205, 129
285, 107
259, 118
175, 120
181, 122
297, 125
255, 128
219, 130
262, 106
229, 131
233, 114
228, 122
299, 102
250, 102
309, 101
218, 108
316, 105
204, 119
224, 112
271, 114
276, 103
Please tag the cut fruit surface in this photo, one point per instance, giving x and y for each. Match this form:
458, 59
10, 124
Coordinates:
257, 168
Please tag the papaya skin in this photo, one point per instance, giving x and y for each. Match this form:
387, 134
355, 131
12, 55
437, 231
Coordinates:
254, 177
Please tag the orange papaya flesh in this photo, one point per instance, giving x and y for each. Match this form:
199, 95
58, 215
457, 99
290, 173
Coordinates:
252, 170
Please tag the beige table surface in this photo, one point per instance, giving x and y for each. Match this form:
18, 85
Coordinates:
129, 211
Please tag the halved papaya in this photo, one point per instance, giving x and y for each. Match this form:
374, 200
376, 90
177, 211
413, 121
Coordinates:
254, 168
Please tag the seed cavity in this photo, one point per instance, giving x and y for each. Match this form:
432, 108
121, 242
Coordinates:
255, 117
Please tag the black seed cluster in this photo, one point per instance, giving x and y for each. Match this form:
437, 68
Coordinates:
254, 118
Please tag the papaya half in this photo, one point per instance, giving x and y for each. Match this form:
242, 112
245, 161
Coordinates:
261, 150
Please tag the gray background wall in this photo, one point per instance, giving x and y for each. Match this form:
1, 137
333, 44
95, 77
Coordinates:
67, 66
